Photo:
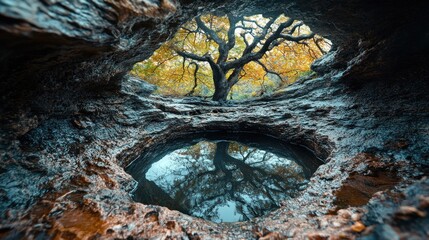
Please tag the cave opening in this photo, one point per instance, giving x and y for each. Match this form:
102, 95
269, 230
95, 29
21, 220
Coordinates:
223, 177
226, 177
233, 57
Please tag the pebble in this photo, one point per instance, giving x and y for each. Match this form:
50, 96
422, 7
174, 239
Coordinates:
356, 217
317, 236
271, 236
346, 214
406, 212
336, 224
358, 227
323, 223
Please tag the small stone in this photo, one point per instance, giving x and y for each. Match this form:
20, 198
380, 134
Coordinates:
271, 236
380, 195
323, 223
336, 224
407, 212
358, 227
195, 236
79, 124
346, 214
291, 233
356, 217
116, 228
317, 236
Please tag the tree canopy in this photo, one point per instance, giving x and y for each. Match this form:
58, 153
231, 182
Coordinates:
233, 56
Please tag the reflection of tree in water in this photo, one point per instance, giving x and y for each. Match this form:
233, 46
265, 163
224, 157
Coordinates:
206, 176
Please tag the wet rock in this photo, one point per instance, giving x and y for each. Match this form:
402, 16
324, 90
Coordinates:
345, 214
424, 202
344, 236
61, 72
356, 216
358, 227
135, 85
359, 188
271, 236
326, 63
318, 236
336, 224
383, 231
409, 212
400, 212
152, 216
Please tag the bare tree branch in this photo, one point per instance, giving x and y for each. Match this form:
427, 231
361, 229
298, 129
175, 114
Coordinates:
268, 70
212, 34
195, 78
292, 38
235, 76
257, 39
248, 55
316, 41
162, 62
192, 56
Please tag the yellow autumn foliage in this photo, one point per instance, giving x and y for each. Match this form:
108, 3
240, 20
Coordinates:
174, 75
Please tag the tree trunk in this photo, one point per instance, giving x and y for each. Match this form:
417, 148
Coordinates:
219, 158
221, 93
220, 82
222, 87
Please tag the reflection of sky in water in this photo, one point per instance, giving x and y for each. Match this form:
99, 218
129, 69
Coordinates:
228, 212
221, 186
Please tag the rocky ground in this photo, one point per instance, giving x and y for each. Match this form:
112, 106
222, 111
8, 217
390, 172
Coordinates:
70, 181
71, 120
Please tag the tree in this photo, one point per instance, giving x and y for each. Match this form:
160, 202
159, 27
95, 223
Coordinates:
218, 52
226, 71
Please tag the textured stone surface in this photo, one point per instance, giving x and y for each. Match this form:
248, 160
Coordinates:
67, 130
54, 53
71, 167
135, 85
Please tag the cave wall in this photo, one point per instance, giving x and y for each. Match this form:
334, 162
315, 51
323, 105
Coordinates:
68, 128
55, 53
